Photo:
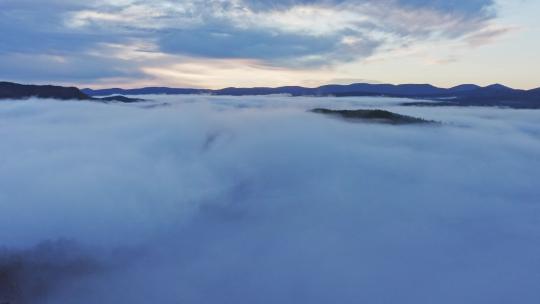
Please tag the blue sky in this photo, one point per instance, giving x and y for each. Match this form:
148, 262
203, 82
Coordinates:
218, 43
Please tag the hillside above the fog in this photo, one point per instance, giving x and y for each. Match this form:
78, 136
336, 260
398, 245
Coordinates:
11, 90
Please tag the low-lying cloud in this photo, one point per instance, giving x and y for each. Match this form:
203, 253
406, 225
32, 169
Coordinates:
256, 200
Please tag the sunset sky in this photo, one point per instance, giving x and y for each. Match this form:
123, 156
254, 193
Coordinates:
217, 43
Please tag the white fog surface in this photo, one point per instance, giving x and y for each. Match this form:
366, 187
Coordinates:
205, 199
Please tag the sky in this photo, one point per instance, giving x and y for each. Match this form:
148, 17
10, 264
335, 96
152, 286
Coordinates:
218, 43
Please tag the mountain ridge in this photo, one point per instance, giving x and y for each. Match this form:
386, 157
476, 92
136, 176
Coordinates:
355, 89
11, 90
427, 94
460, 95
324, 90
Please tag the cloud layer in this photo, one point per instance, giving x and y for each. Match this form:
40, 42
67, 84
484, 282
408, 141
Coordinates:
253, 199
291, 34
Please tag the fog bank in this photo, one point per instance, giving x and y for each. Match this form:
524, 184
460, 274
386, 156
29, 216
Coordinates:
204, 199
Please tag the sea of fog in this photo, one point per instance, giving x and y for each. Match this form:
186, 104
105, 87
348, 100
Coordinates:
205, 199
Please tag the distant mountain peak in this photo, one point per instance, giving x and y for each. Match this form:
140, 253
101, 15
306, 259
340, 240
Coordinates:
498, 86
464, 87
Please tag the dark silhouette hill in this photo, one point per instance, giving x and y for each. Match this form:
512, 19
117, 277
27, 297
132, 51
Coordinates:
493, 96
464, 88
374, 116
10, 90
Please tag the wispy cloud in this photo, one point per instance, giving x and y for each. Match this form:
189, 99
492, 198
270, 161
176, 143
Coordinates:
488, 35
284, 34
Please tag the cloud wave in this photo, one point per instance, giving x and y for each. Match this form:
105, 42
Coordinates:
253, 199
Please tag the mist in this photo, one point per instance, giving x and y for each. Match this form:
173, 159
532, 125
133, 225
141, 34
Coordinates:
207, 199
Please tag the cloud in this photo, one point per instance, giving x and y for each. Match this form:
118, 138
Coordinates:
253, 199
286, 34
66, 68
488, 35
